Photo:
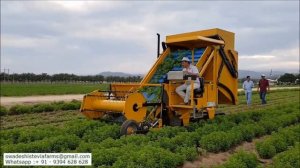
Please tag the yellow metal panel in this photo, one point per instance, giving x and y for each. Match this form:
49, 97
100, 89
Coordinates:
185, 116
94, 105
216, 66
202, 102
211, 112
174, 98
227, 36
193, 55
224, 96
193, 42
109, 105
184, 39
204, 57
134, 109
229, 96
123, 89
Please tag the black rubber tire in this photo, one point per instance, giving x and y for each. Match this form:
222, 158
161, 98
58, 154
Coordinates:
128, 124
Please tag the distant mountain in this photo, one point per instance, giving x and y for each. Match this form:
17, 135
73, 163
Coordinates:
257, 75
121, 74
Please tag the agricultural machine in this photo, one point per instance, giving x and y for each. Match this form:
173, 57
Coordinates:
154, 103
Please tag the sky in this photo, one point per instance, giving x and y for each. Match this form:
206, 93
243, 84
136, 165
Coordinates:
89, 37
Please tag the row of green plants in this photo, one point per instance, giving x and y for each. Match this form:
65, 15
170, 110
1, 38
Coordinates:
224, 140
241, 159
167, 147
47, 88
56, 139
287, 159
278, 142
26, 135
88, 130
180, 143
42, 107
56, 143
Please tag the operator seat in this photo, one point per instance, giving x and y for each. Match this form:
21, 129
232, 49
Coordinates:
198, 92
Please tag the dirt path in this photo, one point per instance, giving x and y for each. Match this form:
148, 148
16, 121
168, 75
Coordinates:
213, 159
9, 101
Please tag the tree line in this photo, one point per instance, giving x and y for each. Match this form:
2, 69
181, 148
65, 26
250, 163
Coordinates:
289, 78
64, 77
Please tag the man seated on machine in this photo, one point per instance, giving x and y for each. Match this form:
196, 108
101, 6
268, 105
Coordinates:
188, 69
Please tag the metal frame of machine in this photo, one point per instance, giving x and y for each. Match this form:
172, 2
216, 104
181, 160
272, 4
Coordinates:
218, 73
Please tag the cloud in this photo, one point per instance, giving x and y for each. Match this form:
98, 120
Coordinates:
74, 5
278, 59
86, 6
13, 41
87, 37
257, 57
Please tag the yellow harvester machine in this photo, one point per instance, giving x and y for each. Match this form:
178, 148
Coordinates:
153, 102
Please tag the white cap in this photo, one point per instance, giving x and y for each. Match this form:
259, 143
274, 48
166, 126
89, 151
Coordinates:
186, 59
263, 75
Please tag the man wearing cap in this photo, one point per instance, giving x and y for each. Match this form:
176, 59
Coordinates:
263, 84
188, 69
247, 86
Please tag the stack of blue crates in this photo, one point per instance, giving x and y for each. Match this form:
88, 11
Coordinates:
197, 55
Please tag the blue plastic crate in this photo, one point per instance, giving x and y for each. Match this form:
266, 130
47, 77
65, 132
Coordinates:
177, 69
148, 97
161, 81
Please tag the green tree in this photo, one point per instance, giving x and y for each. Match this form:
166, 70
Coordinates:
287, 78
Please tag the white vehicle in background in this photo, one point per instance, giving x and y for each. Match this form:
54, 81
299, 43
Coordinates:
272, 82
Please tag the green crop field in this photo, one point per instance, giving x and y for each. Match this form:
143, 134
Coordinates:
273, 129
29, 89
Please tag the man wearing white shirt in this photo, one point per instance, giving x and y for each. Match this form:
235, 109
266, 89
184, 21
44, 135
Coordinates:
188, 69
247, 86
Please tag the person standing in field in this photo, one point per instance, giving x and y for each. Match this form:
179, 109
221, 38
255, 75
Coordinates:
263, 85
247, 86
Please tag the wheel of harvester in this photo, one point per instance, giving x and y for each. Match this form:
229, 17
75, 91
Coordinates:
129, 127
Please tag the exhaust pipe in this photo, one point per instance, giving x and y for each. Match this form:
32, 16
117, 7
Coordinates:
164, 45
158, 44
